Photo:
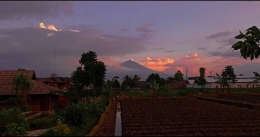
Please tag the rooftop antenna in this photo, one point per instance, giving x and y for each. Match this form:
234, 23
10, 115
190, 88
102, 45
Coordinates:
54, 74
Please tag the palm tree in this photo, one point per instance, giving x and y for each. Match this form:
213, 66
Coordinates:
135, 79
22, 86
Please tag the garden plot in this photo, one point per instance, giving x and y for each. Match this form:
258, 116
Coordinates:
186, 117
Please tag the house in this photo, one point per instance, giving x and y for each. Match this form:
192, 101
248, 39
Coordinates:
242, 82
62, 83
178, 84
39, 97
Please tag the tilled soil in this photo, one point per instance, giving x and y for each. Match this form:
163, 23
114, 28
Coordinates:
187, 117
108, 126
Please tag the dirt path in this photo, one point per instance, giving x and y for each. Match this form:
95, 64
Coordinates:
37, 132
108, 126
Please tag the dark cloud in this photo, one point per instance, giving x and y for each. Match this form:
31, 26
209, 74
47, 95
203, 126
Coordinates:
145, 30
157, 48
220, 34
169, 51
202, 48
228, 42
227, 54
33, 49
17, 10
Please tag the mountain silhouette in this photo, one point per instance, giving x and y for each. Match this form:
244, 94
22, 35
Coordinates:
140, 70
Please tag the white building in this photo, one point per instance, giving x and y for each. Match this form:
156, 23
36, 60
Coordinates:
242, 82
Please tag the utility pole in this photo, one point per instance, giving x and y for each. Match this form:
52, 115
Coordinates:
186, 73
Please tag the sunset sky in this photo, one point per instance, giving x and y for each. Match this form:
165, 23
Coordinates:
161, 35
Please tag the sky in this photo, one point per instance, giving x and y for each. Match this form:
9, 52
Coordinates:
164, 36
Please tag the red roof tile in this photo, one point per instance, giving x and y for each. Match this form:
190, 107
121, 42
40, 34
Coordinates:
6, 82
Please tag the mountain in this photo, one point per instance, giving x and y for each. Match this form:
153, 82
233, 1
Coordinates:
140, 70
133, 65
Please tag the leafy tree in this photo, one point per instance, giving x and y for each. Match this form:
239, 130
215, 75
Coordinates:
201, 80
249, 43
128, 82
227, 77
178, 76
22, 86
159, 80
169, 80
116, 84
136, 78
91, 72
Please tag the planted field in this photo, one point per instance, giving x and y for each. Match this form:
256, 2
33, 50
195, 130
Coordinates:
186, 117
254, 99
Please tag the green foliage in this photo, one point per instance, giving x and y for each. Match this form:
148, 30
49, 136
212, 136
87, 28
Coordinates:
227, 76
178, 76
169, 80
136, 78
201, 80
164, 90
91, 72
42, 123
22, 86
249, 43
157, 78
116, 84
14, 100
97, 105
15, 129
25, 108
12, 115
76, 114
128, 82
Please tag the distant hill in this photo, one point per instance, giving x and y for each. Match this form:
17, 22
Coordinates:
140, 70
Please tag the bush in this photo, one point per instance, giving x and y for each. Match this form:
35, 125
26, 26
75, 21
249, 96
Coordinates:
62, 102
25, 108
14, 129
12, 115
42, 123
61, 130
97, 105
76, 114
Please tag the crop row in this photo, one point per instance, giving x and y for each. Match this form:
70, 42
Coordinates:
187, 116
243, 97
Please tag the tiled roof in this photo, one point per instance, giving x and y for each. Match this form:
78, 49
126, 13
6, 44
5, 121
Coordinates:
54, 80
7, 74
6, 82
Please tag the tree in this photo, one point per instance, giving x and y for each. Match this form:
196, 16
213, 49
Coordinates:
116, 84
227, 76
136, 78
201, 80
91, 72
169, 80
178, 76
22, 86
155, 77
128, 82
249, 43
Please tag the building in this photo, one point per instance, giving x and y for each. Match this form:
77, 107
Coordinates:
58, 82
39, 97
242, 82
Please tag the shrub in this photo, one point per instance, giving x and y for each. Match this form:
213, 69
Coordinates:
15, 129
42, 123
62, 102
25, 108
12, 115
76, 114
97, 105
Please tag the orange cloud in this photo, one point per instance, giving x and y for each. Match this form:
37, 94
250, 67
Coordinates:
156, 64
49, 27
110, 61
